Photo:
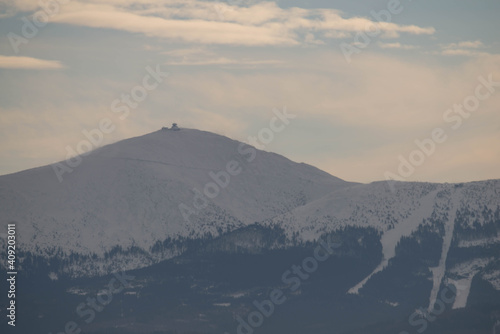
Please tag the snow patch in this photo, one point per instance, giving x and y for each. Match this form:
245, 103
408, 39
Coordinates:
463, 291
439, 271
76, 291
479, 242
237, 295
494, 278
222, 304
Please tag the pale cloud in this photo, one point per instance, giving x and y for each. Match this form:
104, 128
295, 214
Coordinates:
205, 22
464, 48
397, 46
222, 61
29, 63
312, 40
187, 52
335, 22
205, 57
462, 52
337, 34
10, 8
194, 30
464, 44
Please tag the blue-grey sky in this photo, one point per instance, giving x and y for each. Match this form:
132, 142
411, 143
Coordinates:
366, 79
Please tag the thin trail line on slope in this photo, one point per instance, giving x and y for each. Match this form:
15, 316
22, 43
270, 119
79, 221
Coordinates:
164, 163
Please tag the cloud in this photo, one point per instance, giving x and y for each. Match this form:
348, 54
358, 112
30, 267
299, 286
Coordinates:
337, 34
462, 52
204, 57
222, 61
187, 52
465, 44
397, 46
464, 48
191, 31
333, 21
9, 8
206, 22
28, 63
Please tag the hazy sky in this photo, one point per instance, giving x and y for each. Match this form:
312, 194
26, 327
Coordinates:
230, 63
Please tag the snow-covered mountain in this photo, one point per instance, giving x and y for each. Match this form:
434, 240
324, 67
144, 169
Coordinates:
161, 185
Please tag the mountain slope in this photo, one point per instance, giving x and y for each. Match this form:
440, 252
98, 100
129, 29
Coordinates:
464, 217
